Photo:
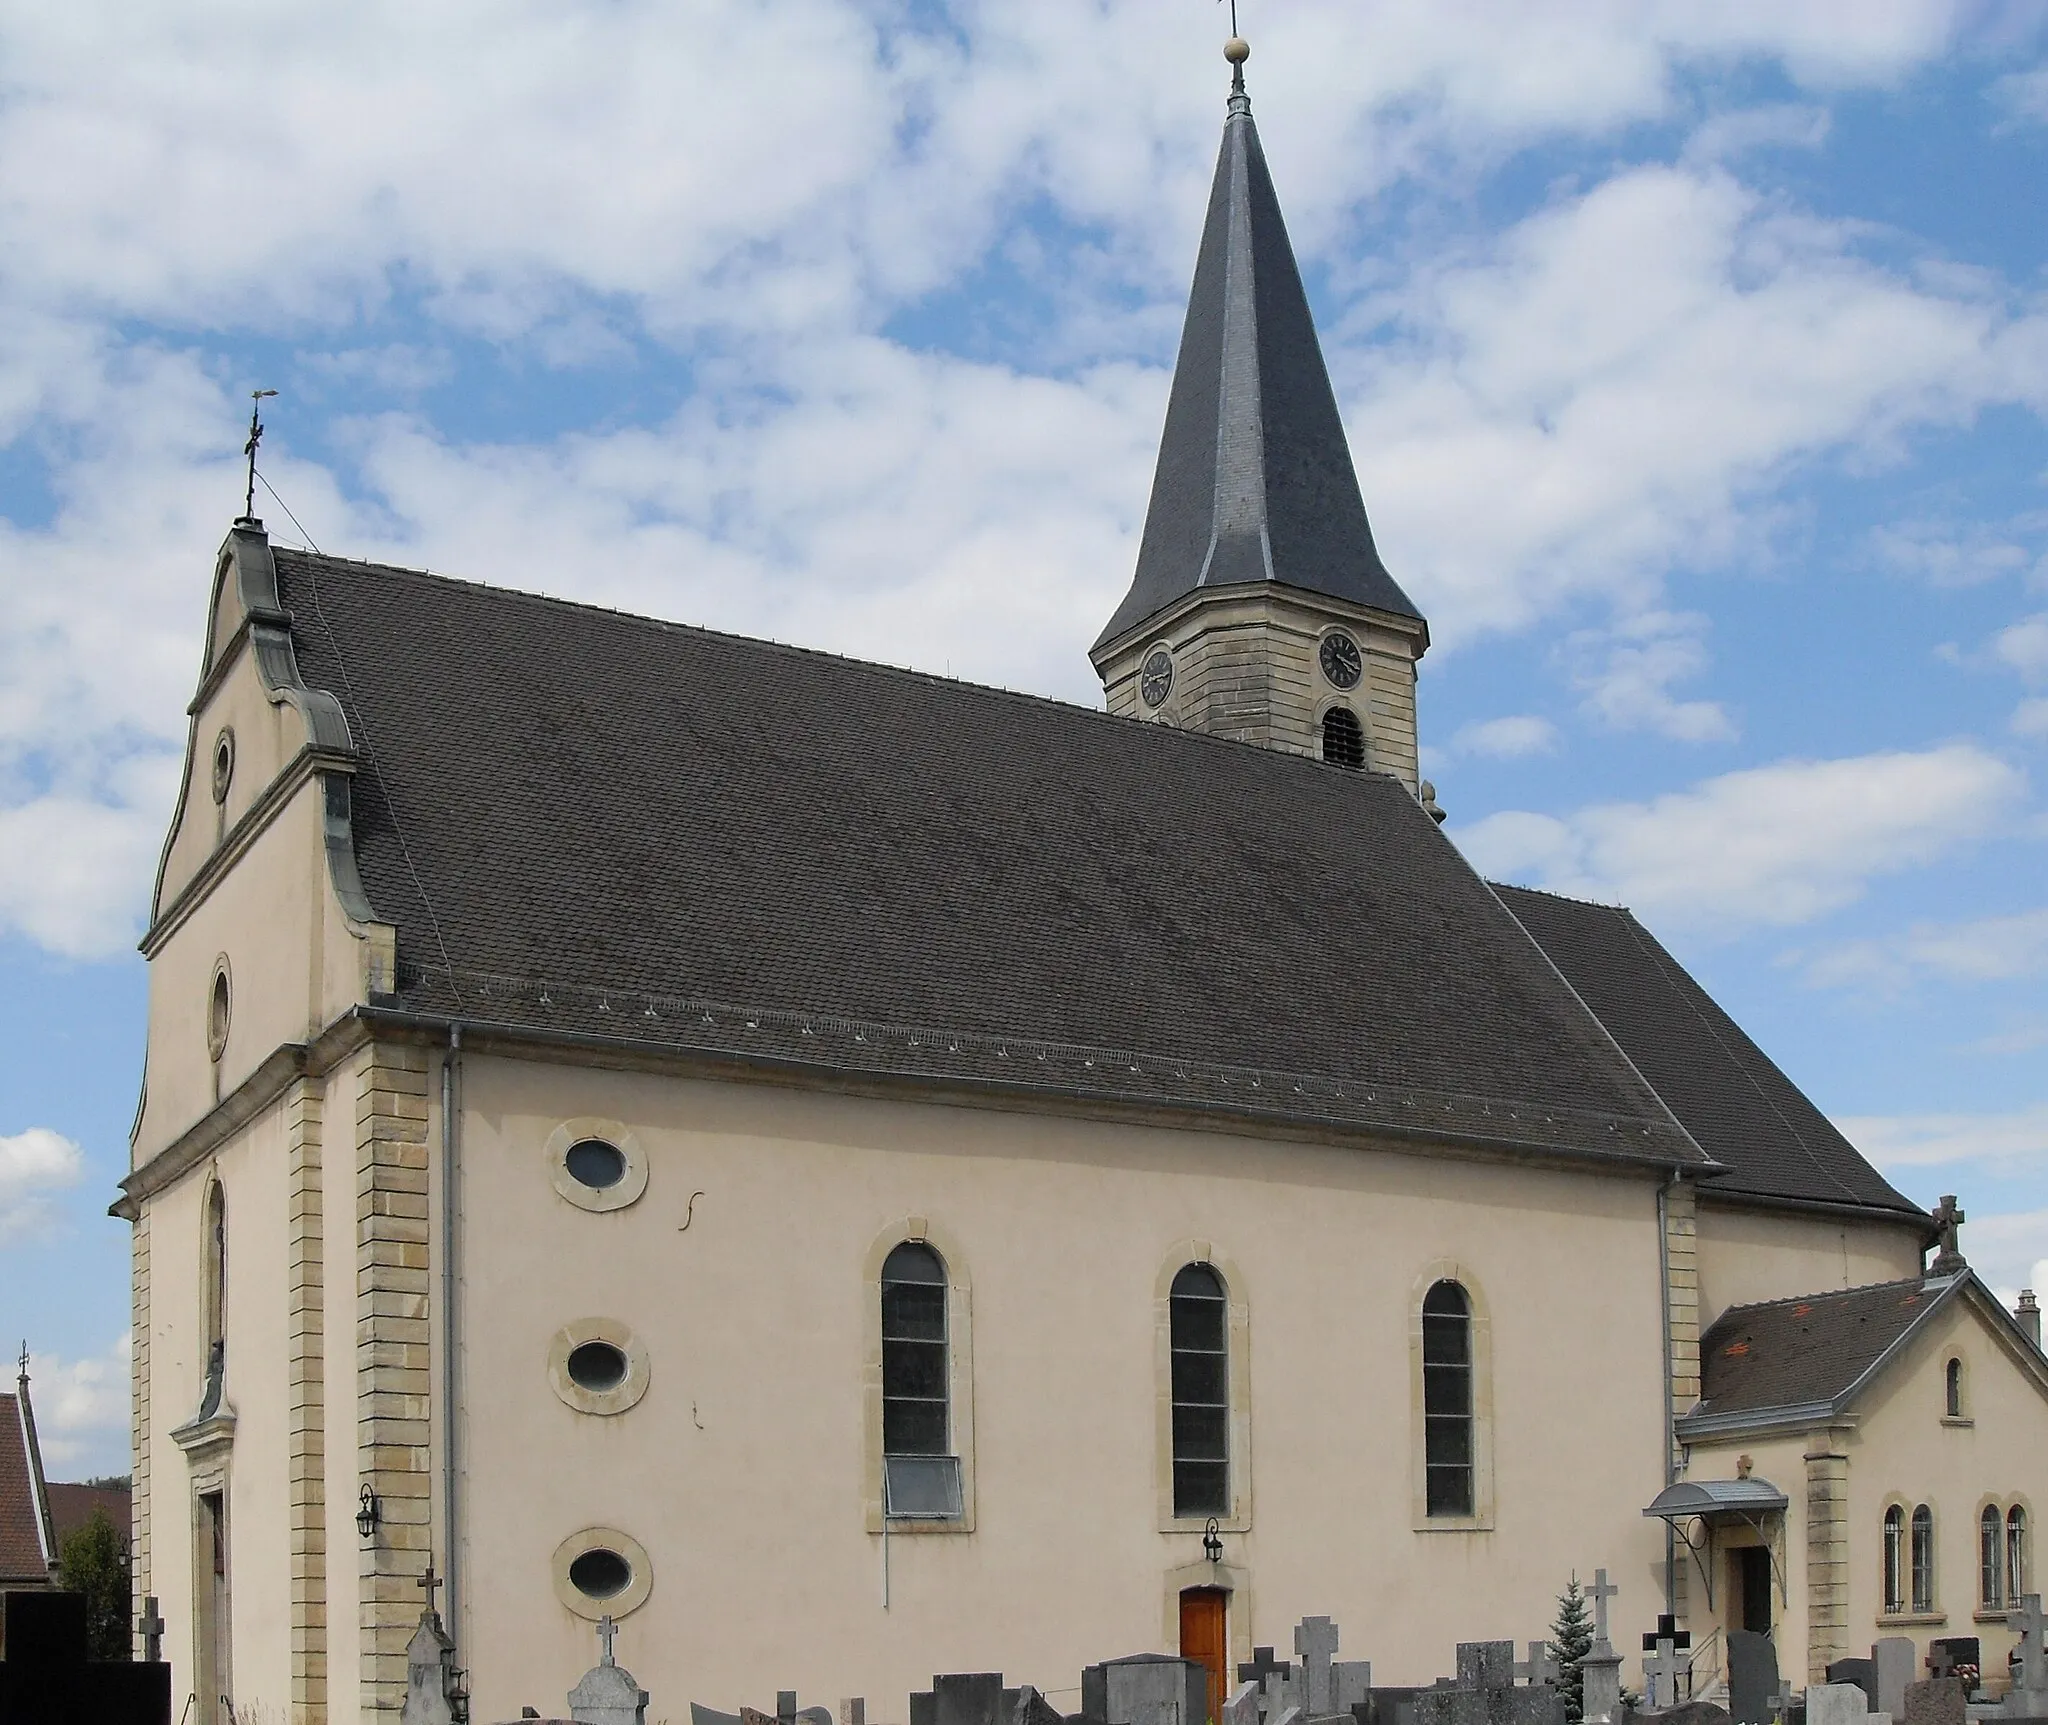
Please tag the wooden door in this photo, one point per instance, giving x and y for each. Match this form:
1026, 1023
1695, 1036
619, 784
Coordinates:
1204, 1613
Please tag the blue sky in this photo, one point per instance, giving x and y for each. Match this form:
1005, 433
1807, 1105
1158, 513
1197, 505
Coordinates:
1695, 360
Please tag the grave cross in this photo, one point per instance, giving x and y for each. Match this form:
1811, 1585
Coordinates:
1942, 1661
2032, 1623
606, 1630
1781, 1703
1600, 1593
1539, 1667
1315, 1639
150, 1627
1260, 1666
1661, 1673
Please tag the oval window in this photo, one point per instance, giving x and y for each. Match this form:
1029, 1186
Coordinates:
596, 1164
600, 1573
597, 1366
218, 1007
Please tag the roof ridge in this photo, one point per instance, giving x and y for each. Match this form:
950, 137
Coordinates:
880, 667
1828, 1294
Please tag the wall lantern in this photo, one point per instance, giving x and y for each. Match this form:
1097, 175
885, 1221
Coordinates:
1212, 1542
369, 1513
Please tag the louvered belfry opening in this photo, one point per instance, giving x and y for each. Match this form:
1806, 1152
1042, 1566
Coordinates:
1343, 739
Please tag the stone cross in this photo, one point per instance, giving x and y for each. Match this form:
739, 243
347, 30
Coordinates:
1661, 1675
1948, 1218
1315, 1639
1539, 1667
431, 1582
150, 1626
2032, 1624
1781, 1703
1600, 1593
1243, 1706
607, 1630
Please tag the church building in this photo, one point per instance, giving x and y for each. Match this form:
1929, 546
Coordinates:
854, 1174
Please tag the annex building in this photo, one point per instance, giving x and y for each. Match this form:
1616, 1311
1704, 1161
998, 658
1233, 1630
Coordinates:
855, 1174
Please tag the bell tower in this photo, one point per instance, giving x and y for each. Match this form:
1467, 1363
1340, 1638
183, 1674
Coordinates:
1260, 608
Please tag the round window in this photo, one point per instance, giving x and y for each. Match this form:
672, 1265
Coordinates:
600, 1573
597, 1366
217, 1012
596, 1164
223, 764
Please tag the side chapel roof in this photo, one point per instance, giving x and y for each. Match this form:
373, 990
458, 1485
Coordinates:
1736, 1102
1255, 481
591, 824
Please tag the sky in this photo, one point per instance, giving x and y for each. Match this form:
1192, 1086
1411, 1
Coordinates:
1694, 359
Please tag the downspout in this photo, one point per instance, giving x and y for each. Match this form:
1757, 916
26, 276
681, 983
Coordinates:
1670, 1430
451, 1193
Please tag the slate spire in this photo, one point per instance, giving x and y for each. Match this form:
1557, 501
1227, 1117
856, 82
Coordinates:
1255, 481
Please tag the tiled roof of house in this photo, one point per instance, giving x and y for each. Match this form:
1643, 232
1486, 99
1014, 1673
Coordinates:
1734, 1100
1792, 1353
587, 823
72, 1506
21, 1546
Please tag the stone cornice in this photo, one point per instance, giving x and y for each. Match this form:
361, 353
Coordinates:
270, 1080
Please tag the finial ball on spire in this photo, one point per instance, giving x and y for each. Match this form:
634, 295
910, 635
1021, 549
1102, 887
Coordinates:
1237, 50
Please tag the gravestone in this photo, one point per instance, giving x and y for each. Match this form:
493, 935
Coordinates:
1861, 1672
1752, 1677
606, 1693
1937, 1701
1690, 1713
1261, 1664
2029, 1697
1392, 1705
1330, 1687
1839, 1704
1144, 1689
1484, 1692
1956, 1656
1243, 1706
1600, 1666
1898, 1662
46, 1678
1032, 1708
1664, 1673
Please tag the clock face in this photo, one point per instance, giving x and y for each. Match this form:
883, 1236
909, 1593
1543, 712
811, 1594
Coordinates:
1155, 682
1340, 660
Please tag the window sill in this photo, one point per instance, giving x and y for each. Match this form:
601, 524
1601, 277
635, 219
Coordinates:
1913, 1619
2000, 1616
1239, 1521
1454, 1524
1964, 1421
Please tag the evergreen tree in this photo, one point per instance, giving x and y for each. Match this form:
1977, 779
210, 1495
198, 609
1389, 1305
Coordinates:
1571, 1639
93, 1560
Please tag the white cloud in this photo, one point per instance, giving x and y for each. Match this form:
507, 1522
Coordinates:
1784, 125
1771, 845
2024, 95
1895, 1141
2030, 717
2024, 646
1990, 949
33, 1164
1626, 673
82, 1410
2010, 1252
1506, 739
1946, 555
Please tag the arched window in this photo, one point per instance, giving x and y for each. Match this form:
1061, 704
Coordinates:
1343, 740
1991, 1558
1447, 1399
1953, 1383
920, 1473
914, 1384
2016, 1584
1894, 1561
1923, 1560
1199, 1337
215, 1297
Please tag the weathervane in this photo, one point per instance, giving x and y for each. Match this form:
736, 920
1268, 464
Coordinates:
256, 397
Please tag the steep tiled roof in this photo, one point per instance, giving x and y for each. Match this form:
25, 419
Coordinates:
604, 824
21, 1547
1255, 481
1791, 1353
1733, 1099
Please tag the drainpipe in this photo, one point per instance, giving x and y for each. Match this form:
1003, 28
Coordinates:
1670, 1431
451, 1195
